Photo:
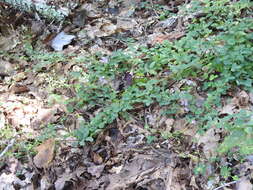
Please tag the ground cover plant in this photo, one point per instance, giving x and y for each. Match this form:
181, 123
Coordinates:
193, 90
216, 52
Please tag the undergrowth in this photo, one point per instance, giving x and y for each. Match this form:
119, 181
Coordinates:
214, 56
216, 52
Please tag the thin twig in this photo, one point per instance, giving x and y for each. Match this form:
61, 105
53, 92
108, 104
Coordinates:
226, 184
7, 147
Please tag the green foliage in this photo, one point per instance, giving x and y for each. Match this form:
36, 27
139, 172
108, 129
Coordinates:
225, 172
200, 169
216, 50
23, 147
150, 139
216, 53
41, 59
240, 128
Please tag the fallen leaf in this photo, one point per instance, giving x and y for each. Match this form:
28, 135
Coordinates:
159, 39
140, 166
172, 36
19, 88
230, 107
44, 116
97, 159
60, 40
45, 154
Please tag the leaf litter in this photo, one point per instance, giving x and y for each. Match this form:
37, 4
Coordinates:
120, 158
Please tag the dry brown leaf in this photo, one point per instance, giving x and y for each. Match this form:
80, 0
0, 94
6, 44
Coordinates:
172, 36
18, 117
44, 116
19, 88
19, 110
97, 159
159, 39
230, 108
45, 154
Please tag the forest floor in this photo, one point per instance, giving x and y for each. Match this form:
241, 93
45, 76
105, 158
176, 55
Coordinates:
93, 102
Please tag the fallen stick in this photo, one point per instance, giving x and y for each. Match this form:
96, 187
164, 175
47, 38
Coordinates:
226, 184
